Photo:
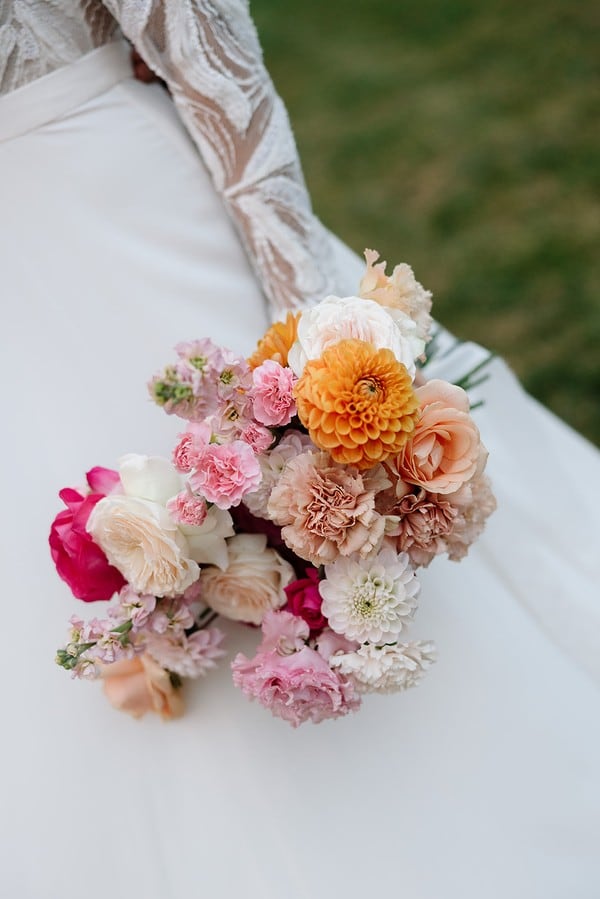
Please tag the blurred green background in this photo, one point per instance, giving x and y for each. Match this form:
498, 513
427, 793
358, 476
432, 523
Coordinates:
462, 137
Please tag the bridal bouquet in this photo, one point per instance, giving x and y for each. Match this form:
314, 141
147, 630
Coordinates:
308, 485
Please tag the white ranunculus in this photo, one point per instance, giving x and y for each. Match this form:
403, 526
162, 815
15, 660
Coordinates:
207, 543
149, 477
343, 318
144, 544
253, 583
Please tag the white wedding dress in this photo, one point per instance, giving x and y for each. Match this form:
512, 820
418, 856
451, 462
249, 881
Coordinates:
122, 233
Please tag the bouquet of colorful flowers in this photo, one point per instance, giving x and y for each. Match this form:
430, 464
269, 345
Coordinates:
309, 484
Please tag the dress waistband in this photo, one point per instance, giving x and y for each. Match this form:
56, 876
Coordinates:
51, 96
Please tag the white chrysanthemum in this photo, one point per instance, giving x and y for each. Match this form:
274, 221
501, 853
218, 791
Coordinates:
340, 318
370, 600
272, 464
386, 669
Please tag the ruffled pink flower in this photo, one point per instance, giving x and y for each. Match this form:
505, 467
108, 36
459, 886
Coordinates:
257, 436
283, 633
304, 600
185, 508
225, 473
191, 443
272, 393
327, 510
297, 687
78, 559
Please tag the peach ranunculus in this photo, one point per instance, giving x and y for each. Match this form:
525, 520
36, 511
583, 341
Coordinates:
399, 291
357, 403
328, 510
277, 342
140, 685
443, 452
253, 582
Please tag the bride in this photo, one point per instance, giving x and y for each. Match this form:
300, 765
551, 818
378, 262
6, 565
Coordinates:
132, 220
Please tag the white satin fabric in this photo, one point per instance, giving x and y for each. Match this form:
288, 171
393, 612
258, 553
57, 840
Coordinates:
482, 783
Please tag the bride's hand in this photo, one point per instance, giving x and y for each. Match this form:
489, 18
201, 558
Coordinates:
140, 70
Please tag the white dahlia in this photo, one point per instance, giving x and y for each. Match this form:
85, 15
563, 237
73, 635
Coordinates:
370, 600
386, 669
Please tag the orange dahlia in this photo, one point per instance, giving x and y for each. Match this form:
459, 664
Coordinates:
357, 403
277, 342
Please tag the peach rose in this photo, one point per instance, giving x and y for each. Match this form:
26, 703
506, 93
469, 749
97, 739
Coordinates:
253, 582
140, 685
444, 450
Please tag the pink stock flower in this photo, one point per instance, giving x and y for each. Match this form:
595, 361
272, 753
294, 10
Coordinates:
185, 508
187, 656
272, 394
78, 559
304, 600
297, 687
225, 473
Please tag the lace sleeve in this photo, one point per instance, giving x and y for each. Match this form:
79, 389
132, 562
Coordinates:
209, 54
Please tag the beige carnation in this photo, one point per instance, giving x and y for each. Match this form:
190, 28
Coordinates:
421, 525
475, 503
140, 685
253, 583
443, 452
144, 544
328, 510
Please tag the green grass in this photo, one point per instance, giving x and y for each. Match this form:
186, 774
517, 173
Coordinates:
462, 137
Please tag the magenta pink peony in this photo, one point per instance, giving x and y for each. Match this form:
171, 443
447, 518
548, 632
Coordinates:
79, 561
304, 600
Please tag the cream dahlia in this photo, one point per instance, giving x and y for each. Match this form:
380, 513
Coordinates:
370, 600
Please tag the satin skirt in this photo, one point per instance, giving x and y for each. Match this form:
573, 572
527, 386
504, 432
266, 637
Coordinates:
482, 782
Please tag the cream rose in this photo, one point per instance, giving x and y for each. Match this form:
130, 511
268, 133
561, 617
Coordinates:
253, 582
144, 544
341, 318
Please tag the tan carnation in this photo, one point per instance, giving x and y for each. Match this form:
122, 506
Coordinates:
327, 510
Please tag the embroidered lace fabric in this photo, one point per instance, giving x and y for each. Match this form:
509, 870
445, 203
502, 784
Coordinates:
209, 54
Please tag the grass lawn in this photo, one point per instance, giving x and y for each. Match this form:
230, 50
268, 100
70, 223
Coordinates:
462, 137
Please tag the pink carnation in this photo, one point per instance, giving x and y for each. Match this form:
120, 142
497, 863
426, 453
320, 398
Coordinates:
274, 403
257, 436
185, 508
298, 687
191, 443
225, 473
